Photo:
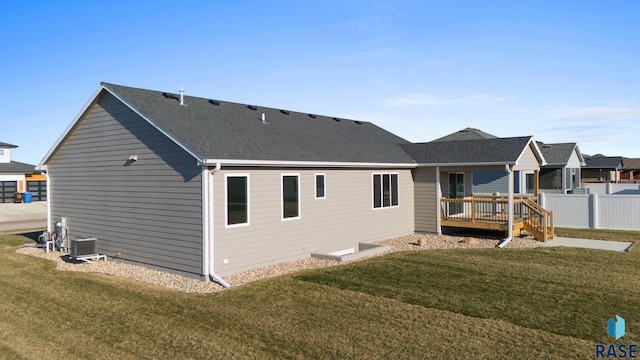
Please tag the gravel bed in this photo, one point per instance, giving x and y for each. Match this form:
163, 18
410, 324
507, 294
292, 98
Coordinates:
144, 274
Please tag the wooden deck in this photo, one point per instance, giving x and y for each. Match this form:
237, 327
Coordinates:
491, 213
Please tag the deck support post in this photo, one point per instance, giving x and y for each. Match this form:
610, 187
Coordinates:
509, 170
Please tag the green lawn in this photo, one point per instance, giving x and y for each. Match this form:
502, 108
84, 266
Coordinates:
599, 234
448, 304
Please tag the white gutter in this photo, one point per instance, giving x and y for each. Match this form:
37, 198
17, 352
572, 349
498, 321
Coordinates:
504, 242
46, 175
447, 165
242, 162
438, 198
208, 207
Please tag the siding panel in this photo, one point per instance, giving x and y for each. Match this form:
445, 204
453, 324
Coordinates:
490, 182
340, 221
426, 200
147, 211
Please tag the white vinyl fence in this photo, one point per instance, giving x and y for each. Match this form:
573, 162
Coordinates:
619, 212
612, 189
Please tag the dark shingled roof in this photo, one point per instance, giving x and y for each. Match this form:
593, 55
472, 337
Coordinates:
214, 129
17, 167
557, 154
631, 163
5, 145
496, 150
603, 162
466, 134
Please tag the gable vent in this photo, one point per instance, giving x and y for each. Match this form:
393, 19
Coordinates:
312, 116
252, 107
214, 102
284, 112
337, 119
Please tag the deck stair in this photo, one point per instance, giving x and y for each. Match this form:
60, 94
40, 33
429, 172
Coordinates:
537, 220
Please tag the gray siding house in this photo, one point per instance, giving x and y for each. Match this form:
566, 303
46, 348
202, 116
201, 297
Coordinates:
211, 188
562, 173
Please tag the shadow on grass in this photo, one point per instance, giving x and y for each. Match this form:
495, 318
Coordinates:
31, 235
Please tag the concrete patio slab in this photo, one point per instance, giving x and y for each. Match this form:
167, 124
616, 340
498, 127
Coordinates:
589, 244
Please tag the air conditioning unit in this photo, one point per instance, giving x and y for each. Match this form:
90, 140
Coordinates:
82, 247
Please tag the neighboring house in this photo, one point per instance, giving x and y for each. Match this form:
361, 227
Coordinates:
212, 188
630, 170
562, 173
600, 168
18, 177
466, 134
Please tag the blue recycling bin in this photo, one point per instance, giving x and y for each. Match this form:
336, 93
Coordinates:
26, 197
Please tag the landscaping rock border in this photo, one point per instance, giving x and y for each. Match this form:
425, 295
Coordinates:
189, 285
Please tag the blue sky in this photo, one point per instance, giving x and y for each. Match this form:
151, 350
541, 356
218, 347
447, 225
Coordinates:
562, 71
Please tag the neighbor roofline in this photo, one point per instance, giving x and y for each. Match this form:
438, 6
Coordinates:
282, 163
580, 157
86, 107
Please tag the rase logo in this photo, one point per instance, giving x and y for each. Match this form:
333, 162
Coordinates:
615, 329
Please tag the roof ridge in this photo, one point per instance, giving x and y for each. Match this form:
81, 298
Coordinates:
251, 106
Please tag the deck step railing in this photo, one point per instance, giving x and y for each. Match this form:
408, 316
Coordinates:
538, 221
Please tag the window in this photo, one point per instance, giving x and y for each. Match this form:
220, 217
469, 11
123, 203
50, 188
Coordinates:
290, 197
529, 183
320, 194
385, 190
237, 199
1, 151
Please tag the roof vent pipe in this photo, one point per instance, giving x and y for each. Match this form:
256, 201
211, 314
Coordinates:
181, 95
264, 119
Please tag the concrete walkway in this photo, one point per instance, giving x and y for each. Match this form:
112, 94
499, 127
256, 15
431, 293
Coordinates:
589, 244
14, 217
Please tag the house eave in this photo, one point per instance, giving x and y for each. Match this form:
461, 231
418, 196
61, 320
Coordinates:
92, 100
493, 163
314, 164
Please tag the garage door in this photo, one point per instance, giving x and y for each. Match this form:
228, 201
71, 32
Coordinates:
38, 190
8, 190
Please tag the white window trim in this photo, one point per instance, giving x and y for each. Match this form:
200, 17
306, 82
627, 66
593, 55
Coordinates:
523, 181
382, 192
315, 185
226, 205
282, 197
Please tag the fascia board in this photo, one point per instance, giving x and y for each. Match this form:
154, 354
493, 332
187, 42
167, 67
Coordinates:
243, 162
41, 165
85, 108
495, 163
152, 123
536, 149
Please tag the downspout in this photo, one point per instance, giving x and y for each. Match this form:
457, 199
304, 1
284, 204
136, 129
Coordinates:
210, 220
48, 186
438, 202
504, 242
